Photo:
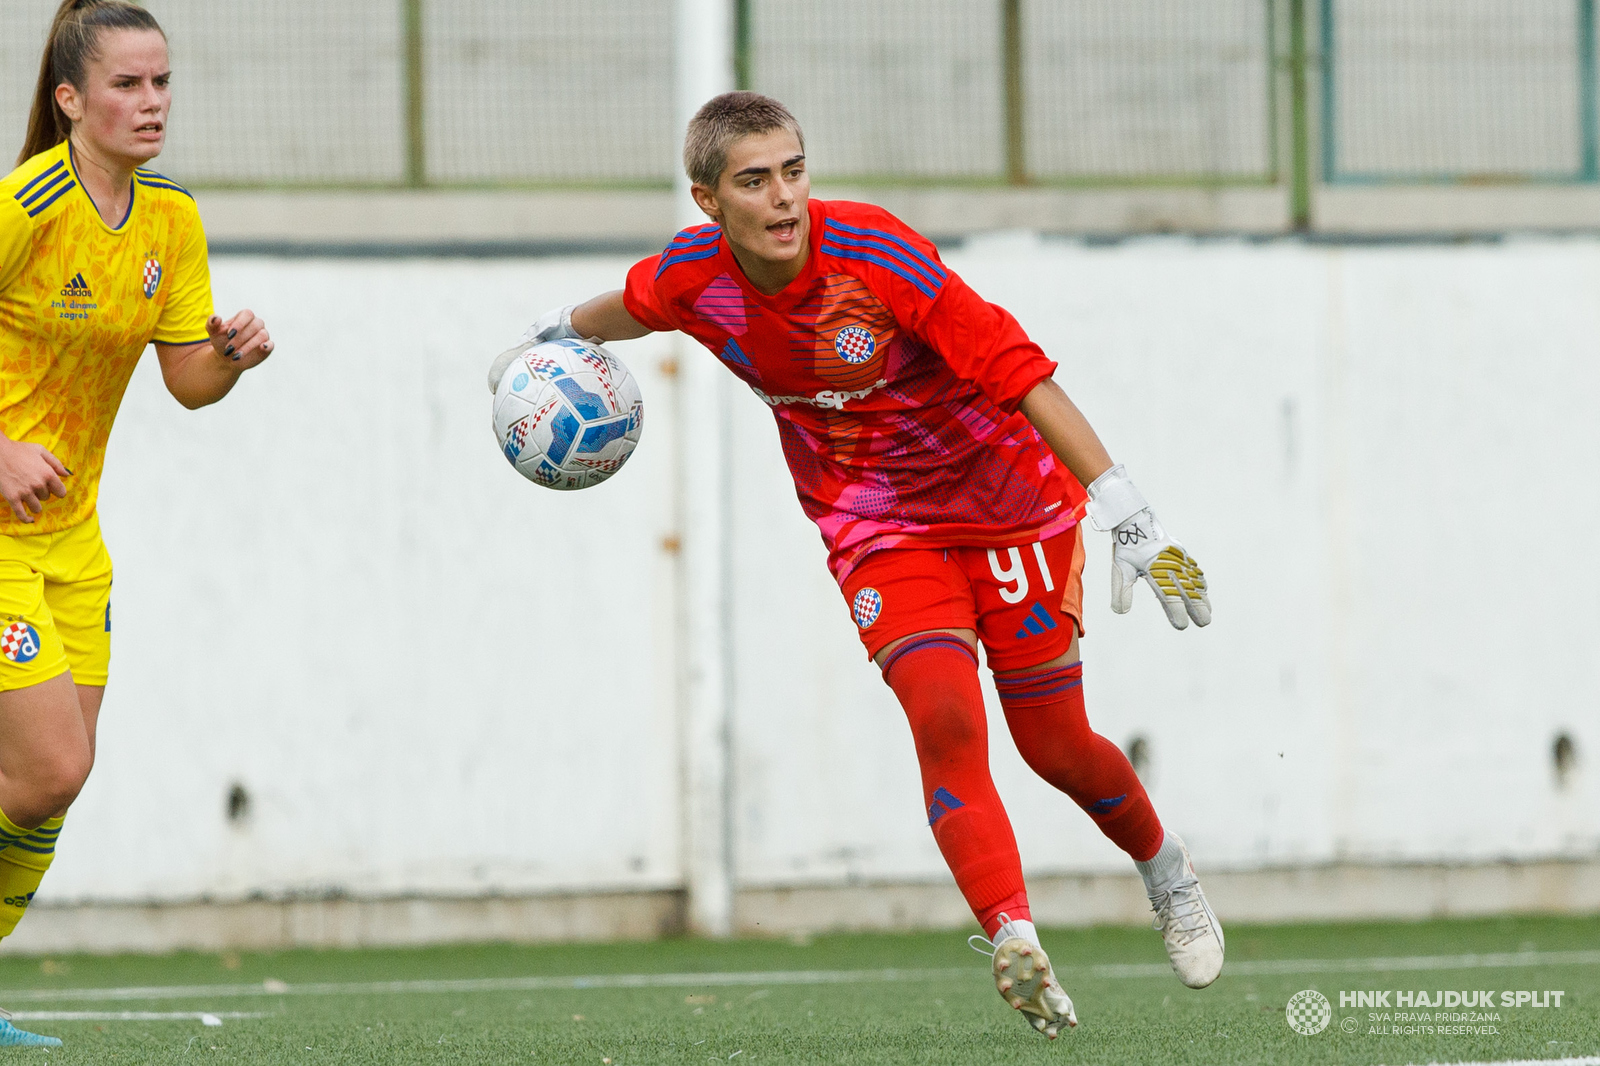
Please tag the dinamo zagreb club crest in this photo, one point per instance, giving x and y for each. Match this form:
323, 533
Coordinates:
19, 643
152, 278
854, 344
866, 607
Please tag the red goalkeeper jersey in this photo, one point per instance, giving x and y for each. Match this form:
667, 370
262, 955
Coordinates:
894, 385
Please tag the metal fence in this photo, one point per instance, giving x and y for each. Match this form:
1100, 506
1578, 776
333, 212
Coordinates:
1459, 90
527, 93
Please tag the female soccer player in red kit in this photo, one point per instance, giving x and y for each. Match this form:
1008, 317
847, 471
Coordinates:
945, 469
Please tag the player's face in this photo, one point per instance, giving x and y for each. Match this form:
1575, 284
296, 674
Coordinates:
121, 112
760, 202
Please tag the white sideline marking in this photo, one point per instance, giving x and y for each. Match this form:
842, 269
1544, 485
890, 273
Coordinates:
1589, 1060
208, 1017
1256, 967
1267, 967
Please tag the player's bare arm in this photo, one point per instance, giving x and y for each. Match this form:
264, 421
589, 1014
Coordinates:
605, 317
1068, 433
203, 373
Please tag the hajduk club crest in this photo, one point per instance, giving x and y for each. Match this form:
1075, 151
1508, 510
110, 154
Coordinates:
866, 607
854, 344
152, 277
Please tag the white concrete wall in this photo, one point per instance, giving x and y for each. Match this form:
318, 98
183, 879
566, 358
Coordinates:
434, 677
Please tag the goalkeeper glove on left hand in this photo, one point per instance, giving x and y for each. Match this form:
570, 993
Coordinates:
1141, 548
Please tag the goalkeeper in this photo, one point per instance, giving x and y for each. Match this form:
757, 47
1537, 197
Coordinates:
945, 469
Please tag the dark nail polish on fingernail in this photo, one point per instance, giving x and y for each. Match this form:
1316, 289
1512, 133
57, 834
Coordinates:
232, 333
228, 350
236, 359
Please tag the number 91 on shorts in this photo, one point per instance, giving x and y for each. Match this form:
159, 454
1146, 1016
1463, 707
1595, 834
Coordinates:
1025, 601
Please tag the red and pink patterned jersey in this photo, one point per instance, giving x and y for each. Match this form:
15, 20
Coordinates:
894, 385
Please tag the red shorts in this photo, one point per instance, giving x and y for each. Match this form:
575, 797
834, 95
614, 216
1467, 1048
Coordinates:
1025, 602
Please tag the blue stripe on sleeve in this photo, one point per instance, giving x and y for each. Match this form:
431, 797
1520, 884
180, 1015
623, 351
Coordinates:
45, 173
674, 258
46, 187
683, 240
164, 185
885, 248
68, 187
883, 235
868, 257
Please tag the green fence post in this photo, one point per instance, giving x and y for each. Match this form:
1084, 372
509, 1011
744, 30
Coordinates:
742, 73
416, 98
1299, 120
1015, 94
1589, 92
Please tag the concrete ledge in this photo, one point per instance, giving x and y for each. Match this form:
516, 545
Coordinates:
1455, 209
626, 219
107, 928
578, 221
1332, 892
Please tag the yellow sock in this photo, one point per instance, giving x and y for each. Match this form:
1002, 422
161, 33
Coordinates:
10, 832
22, 867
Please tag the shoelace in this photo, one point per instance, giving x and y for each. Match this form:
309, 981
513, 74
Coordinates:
982, 944
1183, 906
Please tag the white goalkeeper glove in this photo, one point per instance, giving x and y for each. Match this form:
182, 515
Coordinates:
1141, 548
553, 325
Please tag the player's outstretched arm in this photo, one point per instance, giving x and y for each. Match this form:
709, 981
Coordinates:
1139, 546
203, 373
601, 319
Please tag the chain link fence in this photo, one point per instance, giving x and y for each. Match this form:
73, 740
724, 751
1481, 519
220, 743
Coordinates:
530, 93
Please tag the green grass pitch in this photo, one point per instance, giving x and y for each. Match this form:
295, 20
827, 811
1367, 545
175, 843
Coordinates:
944, 1012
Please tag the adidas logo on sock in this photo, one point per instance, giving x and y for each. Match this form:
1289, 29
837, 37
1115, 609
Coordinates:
77, 287
1037, 622
943, 803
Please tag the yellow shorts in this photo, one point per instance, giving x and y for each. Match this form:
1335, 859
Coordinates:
55, 606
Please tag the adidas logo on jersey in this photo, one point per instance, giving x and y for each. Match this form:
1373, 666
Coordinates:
77, 287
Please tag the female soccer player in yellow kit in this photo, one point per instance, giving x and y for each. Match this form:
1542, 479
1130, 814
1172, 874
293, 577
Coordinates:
99, 257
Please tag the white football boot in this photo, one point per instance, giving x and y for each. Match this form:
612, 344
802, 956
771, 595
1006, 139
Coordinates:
1186, 922
1024, 979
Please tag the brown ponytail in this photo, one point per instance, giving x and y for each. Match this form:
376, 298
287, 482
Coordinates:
74, 41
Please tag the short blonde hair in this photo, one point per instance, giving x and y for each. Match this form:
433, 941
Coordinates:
724, 120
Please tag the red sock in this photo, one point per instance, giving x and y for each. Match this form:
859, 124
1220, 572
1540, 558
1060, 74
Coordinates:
936, 679
1047, 720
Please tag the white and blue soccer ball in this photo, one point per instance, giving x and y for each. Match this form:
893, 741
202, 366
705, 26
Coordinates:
567, 414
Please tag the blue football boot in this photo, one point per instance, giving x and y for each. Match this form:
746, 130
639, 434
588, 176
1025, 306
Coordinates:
11, 1036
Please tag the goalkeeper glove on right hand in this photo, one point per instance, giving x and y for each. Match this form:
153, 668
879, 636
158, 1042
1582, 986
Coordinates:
553, 325
1141, 548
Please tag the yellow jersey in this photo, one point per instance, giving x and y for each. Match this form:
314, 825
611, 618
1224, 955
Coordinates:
79, 303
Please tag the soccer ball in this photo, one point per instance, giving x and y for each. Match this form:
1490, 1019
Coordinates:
567, 414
